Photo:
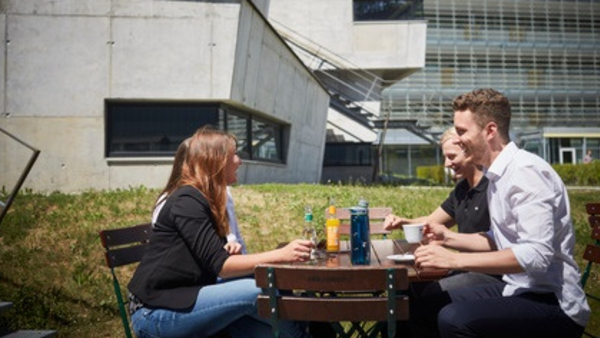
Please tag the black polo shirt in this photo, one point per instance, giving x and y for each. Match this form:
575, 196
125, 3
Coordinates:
469, 207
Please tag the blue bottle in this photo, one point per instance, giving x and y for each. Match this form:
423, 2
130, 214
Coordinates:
360, 241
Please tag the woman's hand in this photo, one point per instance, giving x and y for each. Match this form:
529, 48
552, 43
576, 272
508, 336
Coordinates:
234, 248
297, 251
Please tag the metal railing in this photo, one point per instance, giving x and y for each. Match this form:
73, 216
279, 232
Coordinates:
5, 205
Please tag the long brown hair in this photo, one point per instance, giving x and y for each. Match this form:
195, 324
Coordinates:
204, 168
175, 171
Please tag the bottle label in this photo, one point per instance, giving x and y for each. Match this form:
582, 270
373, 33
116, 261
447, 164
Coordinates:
333, 236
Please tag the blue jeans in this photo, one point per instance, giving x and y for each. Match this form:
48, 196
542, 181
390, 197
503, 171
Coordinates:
228, 306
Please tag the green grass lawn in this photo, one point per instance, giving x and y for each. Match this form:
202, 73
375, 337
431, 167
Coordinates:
52, 265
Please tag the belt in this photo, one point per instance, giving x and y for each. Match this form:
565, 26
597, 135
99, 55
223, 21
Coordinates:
134, 303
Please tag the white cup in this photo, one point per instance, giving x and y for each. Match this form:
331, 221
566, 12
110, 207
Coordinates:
413, 233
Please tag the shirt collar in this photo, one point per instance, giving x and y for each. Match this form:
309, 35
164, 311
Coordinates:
482, 185
499, 165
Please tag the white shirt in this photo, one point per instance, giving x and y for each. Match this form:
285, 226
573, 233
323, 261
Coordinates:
530, 213
158, 207
234, 231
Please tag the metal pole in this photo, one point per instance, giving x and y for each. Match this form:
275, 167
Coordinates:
23, 176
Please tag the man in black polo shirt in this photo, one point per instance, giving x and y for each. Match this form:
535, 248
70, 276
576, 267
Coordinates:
466, 207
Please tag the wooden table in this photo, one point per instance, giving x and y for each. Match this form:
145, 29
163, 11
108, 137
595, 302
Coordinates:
331, 289
380, 250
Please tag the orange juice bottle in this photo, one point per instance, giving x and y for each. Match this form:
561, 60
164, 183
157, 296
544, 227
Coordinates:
332, 228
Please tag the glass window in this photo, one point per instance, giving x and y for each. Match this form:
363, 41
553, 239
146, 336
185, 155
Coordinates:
347, 154
155, 129
266, 139
237, 124
383, 10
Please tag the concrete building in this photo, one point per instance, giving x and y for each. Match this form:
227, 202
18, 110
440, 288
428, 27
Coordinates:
358, 49
315, 90
543, 54
107, 89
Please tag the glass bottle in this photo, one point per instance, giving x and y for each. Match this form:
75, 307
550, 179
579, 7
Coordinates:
309, 231
332, 228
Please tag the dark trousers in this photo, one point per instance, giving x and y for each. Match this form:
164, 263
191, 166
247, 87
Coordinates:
483, 312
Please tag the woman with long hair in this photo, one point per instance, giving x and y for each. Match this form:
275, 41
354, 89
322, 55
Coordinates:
174, 291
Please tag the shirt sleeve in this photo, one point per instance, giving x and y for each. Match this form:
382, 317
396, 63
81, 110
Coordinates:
531, 202
449, 205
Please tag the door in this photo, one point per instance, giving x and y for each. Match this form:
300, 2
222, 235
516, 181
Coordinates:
567, 155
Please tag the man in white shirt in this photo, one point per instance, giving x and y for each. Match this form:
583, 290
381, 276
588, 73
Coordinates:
530, 242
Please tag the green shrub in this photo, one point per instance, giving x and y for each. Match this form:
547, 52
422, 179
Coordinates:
434, 173
579, 174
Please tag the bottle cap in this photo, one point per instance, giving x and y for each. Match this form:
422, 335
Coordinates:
363, 203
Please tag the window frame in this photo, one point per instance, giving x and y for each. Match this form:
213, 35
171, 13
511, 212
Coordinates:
226, 117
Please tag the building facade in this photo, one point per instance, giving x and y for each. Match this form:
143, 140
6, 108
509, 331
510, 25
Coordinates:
107, 89
543, 54
357, 48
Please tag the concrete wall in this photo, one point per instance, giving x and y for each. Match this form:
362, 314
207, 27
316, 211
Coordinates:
369, 45
64, 58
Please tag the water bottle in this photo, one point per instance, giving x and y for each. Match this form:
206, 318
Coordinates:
360, 242
310, 232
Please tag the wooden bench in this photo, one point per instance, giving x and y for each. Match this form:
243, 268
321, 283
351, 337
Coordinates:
342, 294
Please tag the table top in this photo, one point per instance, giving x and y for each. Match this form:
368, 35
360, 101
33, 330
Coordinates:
381, 249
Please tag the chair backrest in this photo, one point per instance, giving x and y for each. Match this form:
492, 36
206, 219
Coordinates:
591, 253
124, 246
376, 217
332, 294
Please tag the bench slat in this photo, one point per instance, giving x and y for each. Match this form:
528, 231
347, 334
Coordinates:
593, 208
333, 310
592, 253
330, 279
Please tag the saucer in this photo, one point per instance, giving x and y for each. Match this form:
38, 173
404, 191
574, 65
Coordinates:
402, 258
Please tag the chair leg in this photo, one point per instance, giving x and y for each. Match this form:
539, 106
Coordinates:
122, 310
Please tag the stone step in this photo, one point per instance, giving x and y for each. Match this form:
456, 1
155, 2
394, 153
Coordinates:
5, 305
31, 334
23, 333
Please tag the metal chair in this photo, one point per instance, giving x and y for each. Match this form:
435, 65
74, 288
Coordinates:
592, 251
124, 246
303, 293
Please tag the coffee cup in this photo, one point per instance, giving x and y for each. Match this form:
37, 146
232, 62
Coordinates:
413, 233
